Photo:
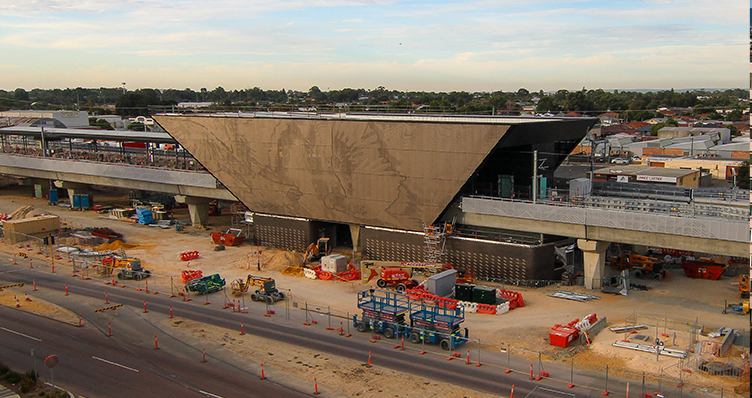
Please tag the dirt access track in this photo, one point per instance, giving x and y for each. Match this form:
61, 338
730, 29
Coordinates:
523, 328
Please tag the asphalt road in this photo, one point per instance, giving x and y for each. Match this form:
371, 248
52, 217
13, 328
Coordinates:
92, 365
175, 365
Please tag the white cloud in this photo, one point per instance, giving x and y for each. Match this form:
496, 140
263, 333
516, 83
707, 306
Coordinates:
472, 43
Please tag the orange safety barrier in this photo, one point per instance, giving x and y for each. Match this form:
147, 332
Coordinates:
323, 275
515, 299
188, 255
486, 309
419, 293
348, 275
188, 275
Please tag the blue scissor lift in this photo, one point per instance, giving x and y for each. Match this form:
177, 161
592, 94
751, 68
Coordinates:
385, 312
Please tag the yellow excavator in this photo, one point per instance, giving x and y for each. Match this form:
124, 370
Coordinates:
315, 251
267, 291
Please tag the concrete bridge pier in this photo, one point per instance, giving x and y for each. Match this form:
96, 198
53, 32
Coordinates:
594, 258
355, 234
198, 209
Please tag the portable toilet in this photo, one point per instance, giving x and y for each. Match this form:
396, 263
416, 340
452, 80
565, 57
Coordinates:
87, 201
53, 196
76, 201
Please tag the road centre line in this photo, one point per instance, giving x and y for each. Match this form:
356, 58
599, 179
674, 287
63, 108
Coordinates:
209, 394
116, 364
21, 334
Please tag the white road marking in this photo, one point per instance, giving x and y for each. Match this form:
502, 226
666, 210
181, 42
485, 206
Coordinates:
209, 394
116, 364
21, 334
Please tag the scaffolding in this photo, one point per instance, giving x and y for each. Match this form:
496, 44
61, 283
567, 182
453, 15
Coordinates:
237, 214
434, 240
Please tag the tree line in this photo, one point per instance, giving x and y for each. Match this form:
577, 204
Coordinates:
630, 105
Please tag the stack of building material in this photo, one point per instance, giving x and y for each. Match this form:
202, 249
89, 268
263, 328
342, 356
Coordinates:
144, 216
121, 214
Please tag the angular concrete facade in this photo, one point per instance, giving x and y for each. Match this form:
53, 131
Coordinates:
390, 174
306, 177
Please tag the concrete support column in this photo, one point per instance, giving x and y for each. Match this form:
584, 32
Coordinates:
594, 258
355, 234
198, 209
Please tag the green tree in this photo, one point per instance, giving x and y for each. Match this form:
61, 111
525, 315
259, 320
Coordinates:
734, 116
734, 130
104, 125
135, 126
20, 94
742, 180
136, 103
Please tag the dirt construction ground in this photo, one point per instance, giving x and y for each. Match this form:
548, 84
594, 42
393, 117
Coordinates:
526, 328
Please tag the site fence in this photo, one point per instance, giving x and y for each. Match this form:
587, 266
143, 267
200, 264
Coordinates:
662, 324
669, 381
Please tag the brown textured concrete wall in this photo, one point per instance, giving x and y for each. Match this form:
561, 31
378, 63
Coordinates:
392, 174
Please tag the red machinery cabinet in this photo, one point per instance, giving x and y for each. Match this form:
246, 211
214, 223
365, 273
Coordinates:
563, 336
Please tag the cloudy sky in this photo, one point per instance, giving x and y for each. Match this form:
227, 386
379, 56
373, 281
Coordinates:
441, 45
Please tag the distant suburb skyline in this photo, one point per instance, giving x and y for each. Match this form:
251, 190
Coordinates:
444, 45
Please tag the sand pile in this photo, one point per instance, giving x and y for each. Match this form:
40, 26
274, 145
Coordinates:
293, 271
114, 245
285, 259
37, 306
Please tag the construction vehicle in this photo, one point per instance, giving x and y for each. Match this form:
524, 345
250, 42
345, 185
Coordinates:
127, 267
744, 286
397, 277
132, 270
267, 291
388, 313
643, 265
315, 251
206, 284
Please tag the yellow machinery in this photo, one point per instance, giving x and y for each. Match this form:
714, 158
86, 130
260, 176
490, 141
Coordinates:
368, 269
267, 291
127, 268
744, 286
644, 265
315, 251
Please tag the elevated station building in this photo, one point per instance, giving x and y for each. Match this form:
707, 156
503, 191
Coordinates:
373, 182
